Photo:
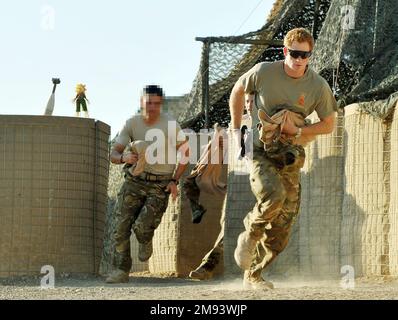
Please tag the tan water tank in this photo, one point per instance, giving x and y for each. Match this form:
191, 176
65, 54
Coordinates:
53, 181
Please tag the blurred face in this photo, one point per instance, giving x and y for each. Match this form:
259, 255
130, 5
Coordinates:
151, 106
294, 60
249, 102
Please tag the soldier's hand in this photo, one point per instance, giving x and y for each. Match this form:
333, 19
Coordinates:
172, 188
289, 128
130, 158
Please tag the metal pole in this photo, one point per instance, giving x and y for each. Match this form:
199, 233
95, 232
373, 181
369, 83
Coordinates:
316, 18
205, 82
276, 43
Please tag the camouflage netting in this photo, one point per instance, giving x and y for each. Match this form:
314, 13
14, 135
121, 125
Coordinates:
355, 51
228, 61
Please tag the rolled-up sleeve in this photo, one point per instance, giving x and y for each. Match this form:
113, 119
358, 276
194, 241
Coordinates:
327, 103
249, 80
125, 134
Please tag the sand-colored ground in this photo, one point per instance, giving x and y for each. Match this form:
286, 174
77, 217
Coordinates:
149, 287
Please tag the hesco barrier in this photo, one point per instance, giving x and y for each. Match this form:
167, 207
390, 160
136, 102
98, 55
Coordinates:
53, 193
393, 207
365, 223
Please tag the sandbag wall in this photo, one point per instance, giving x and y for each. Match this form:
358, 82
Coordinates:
53, 181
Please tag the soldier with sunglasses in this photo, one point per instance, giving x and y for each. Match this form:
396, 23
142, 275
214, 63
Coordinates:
275, 168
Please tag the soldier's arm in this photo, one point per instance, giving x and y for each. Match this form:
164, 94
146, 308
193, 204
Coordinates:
236, 104
118, 157
181, 166
324, 126
183, 148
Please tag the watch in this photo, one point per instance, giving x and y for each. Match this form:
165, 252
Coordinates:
175, 181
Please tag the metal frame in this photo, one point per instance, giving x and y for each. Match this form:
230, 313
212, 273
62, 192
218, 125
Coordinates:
207, 41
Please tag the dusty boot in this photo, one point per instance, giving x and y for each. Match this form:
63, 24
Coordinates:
86, 114
77, 114
145, 251
244, 251
197, 212
201, 273
118, 276
254, 282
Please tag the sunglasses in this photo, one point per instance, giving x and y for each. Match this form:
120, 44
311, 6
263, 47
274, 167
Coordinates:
302, 54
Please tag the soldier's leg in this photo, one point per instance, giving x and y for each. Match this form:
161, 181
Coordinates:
277, 237
213, 257
267, 186
130, 203
192, 192
150, 217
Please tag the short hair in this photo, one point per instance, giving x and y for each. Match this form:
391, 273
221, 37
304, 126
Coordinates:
153, 89
299, 35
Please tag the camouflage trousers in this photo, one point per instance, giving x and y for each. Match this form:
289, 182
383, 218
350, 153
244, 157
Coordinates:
140, 206
275, 182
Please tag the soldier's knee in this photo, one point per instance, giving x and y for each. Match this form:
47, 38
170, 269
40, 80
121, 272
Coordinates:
143, 233
271, 201
130, 201
122, 245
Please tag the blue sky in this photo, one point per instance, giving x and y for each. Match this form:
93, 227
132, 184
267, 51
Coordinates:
115, 48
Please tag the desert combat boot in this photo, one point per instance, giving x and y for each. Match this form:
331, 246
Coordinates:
118, 276
256, 282
201, 273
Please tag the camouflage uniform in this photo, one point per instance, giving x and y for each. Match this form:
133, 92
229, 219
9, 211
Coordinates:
275, 172
140, 206
216, 254
275, 182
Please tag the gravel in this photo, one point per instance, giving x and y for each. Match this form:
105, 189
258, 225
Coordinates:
144, 286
